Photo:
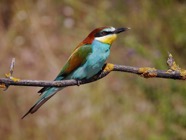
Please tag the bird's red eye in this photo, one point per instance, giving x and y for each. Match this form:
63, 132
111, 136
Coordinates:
103, 33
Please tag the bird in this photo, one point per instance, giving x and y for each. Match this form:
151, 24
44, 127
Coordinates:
86, 60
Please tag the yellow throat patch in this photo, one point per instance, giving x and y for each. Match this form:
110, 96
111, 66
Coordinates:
107, 39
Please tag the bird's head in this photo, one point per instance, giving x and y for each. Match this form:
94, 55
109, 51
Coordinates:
108, 34
104, 34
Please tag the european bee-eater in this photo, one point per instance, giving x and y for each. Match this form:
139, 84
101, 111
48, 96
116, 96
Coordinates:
86, 61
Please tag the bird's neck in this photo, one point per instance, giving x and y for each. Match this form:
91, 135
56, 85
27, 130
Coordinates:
100, 46
100, 43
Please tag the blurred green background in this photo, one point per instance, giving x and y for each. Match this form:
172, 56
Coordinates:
41, 34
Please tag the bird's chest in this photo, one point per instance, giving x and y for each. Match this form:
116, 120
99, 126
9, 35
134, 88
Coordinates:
98, 57
96, 60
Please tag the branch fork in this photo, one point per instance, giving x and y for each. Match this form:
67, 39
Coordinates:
9, 76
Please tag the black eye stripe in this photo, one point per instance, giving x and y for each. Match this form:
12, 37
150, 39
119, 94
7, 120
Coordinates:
103, 33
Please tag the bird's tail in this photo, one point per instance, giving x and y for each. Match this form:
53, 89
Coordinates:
46, 94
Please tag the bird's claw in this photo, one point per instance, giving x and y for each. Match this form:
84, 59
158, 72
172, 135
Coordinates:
109, 67
8, 75
78, 82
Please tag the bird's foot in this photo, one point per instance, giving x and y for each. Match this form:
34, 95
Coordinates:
9, 75
109, 67
78, 82
148, 72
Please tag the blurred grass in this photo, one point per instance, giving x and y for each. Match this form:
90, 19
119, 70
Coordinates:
41, 34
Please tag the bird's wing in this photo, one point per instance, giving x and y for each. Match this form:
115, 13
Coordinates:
77, 58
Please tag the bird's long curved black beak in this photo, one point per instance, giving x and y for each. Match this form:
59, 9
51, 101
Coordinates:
119, 30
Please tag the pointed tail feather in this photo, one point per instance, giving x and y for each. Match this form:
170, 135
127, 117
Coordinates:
43, 89
45, 97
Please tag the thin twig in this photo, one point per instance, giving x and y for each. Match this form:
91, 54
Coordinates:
12, 66
10, 74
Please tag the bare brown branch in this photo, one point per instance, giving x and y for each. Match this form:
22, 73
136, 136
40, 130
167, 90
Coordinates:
174, 72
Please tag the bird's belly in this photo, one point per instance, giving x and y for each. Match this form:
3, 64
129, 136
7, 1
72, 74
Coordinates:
92, 66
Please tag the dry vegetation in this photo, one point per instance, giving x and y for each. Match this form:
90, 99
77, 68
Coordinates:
41, 34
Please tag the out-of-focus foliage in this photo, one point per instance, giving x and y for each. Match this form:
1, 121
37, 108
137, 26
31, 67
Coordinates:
41, 34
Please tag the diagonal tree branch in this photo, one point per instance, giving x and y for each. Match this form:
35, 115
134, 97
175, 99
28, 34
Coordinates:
173, 72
